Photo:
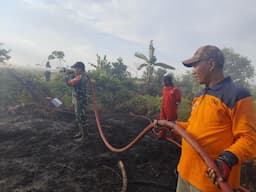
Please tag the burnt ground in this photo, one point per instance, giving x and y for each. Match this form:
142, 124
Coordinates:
38, 154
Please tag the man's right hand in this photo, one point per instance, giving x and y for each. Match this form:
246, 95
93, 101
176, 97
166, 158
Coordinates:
224, 162
224, 171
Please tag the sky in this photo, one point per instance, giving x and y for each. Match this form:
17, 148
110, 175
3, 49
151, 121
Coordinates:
32, 29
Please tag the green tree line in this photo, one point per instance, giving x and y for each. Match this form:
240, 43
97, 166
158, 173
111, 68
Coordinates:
117, 90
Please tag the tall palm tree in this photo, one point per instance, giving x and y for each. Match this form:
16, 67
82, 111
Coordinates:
150, 63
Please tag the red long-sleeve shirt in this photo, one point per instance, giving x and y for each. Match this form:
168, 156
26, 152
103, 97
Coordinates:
170, 100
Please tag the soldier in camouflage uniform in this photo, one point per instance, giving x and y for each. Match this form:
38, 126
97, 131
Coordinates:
78, 80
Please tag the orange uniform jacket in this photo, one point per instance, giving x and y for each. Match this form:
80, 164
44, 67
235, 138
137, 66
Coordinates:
171, 98
222, 119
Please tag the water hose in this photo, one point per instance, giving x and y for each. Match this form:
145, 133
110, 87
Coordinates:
104, 139
124, 176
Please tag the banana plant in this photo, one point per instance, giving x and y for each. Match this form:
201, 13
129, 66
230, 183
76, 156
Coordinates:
150, 63
103, 66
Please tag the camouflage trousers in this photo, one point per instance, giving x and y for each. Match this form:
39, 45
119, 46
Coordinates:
81, 118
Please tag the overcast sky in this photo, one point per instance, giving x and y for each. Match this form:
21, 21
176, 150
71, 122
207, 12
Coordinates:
32, 29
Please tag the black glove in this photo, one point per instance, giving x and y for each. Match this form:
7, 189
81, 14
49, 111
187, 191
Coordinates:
224, 162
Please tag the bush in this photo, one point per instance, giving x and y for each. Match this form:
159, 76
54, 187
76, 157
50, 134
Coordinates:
58, 88
184, 109
9, 89
142, 104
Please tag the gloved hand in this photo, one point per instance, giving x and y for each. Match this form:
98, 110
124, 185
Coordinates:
224, 162
224, 171
160, 133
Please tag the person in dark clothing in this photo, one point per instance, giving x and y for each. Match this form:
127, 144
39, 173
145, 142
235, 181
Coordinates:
47, 72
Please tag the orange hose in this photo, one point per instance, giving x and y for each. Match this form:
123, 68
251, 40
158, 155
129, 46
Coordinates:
104, 139
173, 141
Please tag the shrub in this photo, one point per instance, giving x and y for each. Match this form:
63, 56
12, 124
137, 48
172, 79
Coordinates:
142, 104
184, 109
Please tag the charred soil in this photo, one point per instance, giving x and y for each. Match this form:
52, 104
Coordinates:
38, 154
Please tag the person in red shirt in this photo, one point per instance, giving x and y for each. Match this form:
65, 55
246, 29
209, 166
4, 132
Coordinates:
170, 100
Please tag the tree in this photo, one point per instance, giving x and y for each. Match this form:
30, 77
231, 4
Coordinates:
57, 55
120, 69
155, 88
4, 54
188, 85
102, 64
238, 67
159, 74
150, 64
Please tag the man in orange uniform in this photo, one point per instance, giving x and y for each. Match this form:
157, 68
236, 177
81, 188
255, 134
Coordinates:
222, 121
171, 99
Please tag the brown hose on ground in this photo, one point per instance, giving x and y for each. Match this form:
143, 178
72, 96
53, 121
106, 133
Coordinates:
124, 176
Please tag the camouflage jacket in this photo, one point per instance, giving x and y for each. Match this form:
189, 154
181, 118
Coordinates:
79, 83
